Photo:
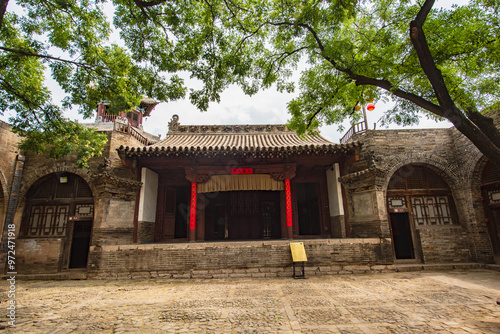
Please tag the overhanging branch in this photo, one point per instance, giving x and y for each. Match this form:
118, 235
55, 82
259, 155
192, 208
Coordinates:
146, 4
37, 55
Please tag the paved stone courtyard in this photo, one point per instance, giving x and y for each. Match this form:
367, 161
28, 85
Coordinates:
411, 302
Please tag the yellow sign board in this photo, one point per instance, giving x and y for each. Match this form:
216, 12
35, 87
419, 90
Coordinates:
298, 252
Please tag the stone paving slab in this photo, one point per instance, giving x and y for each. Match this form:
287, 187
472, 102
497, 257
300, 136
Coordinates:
410, 302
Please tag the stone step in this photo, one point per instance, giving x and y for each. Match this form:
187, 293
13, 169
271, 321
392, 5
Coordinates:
437, 266
73, 275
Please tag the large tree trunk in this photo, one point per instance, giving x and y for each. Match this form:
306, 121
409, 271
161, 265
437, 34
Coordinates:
3, 9
479, 129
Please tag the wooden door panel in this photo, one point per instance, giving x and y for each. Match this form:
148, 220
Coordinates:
165, 214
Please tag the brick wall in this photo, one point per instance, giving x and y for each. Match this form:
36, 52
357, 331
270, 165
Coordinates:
8, 152
444, 244
145, 232
223, 259
448, 153
114, 203
38, 255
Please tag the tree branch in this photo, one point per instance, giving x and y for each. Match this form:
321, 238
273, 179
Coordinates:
320, 109
364, 80
424, 11
32, 54
486, 124
30, 104
147, 4
280, 58
426, 60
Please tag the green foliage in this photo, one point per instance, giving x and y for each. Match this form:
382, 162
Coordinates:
69, 38
348, 51
69, 138
348, 48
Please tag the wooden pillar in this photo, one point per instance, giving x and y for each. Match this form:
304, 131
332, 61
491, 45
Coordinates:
288, 201
192, 213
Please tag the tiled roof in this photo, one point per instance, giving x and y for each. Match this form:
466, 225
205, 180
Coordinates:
240, 137
147, 105
209, 140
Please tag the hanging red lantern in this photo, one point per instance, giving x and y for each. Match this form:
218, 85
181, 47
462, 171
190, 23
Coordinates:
370, 107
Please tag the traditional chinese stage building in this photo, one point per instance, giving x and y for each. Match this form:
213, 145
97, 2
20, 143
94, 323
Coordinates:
226, 200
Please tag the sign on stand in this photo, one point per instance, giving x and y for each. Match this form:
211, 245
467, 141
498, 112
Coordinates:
298, 255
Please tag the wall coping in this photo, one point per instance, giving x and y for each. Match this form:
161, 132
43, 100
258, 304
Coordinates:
239, 244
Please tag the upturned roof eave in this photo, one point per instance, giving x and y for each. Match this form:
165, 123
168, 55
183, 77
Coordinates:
177, 151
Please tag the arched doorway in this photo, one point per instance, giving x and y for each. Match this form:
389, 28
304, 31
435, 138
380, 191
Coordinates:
61, 205
490, 190
417, 199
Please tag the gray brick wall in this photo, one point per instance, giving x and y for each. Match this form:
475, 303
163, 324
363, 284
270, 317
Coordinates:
448, 153
273, 257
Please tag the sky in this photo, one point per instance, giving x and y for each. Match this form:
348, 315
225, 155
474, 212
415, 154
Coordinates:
265, 107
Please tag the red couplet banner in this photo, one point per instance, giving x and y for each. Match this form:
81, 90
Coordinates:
192, 213
288, 195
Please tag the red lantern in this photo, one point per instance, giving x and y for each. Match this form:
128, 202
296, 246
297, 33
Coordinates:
370, 107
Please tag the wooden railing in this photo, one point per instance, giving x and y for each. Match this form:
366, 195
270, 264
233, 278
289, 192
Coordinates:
125, 127
137, 135
355, 128
109, 118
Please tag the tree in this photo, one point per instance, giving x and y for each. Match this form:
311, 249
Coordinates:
70, 37
443, 63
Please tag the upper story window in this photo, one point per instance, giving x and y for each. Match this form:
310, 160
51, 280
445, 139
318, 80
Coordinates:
133, 116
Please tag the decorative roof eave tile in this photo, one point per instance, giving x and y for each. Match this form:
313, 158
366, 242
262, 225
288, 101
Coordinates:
264, 140
232, 151
364, 174
147, 105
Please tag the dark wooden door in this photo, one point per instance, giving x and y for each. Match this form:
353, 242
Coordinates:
243, 215
494, 231
165, 214
270, 215
308, 208
80, 244
401, 236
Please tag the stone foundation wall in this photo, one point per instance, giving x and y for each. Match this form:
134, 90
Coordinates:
337, 224
145, 232
239, 258
38, 255
444, 244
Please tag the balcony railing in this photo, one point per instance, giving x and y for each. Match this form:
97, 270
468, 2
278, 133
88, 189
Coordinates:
109, 118
122, 125
355, 128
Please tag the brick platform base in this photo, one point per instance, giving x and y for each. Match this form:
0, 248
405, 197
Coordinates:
236, 259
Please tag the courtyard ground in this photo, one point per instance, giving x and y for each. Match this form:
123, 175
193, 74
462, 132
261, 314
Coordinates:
411, 302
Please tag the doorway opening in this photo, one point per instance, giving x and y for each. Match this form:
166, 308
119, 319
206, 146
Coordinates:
243, 215
80, 244
490, 188
402, 236
61, 205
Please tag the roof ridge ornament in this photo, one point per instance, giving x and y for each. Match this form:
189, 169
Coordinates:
229, 129
174, 124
